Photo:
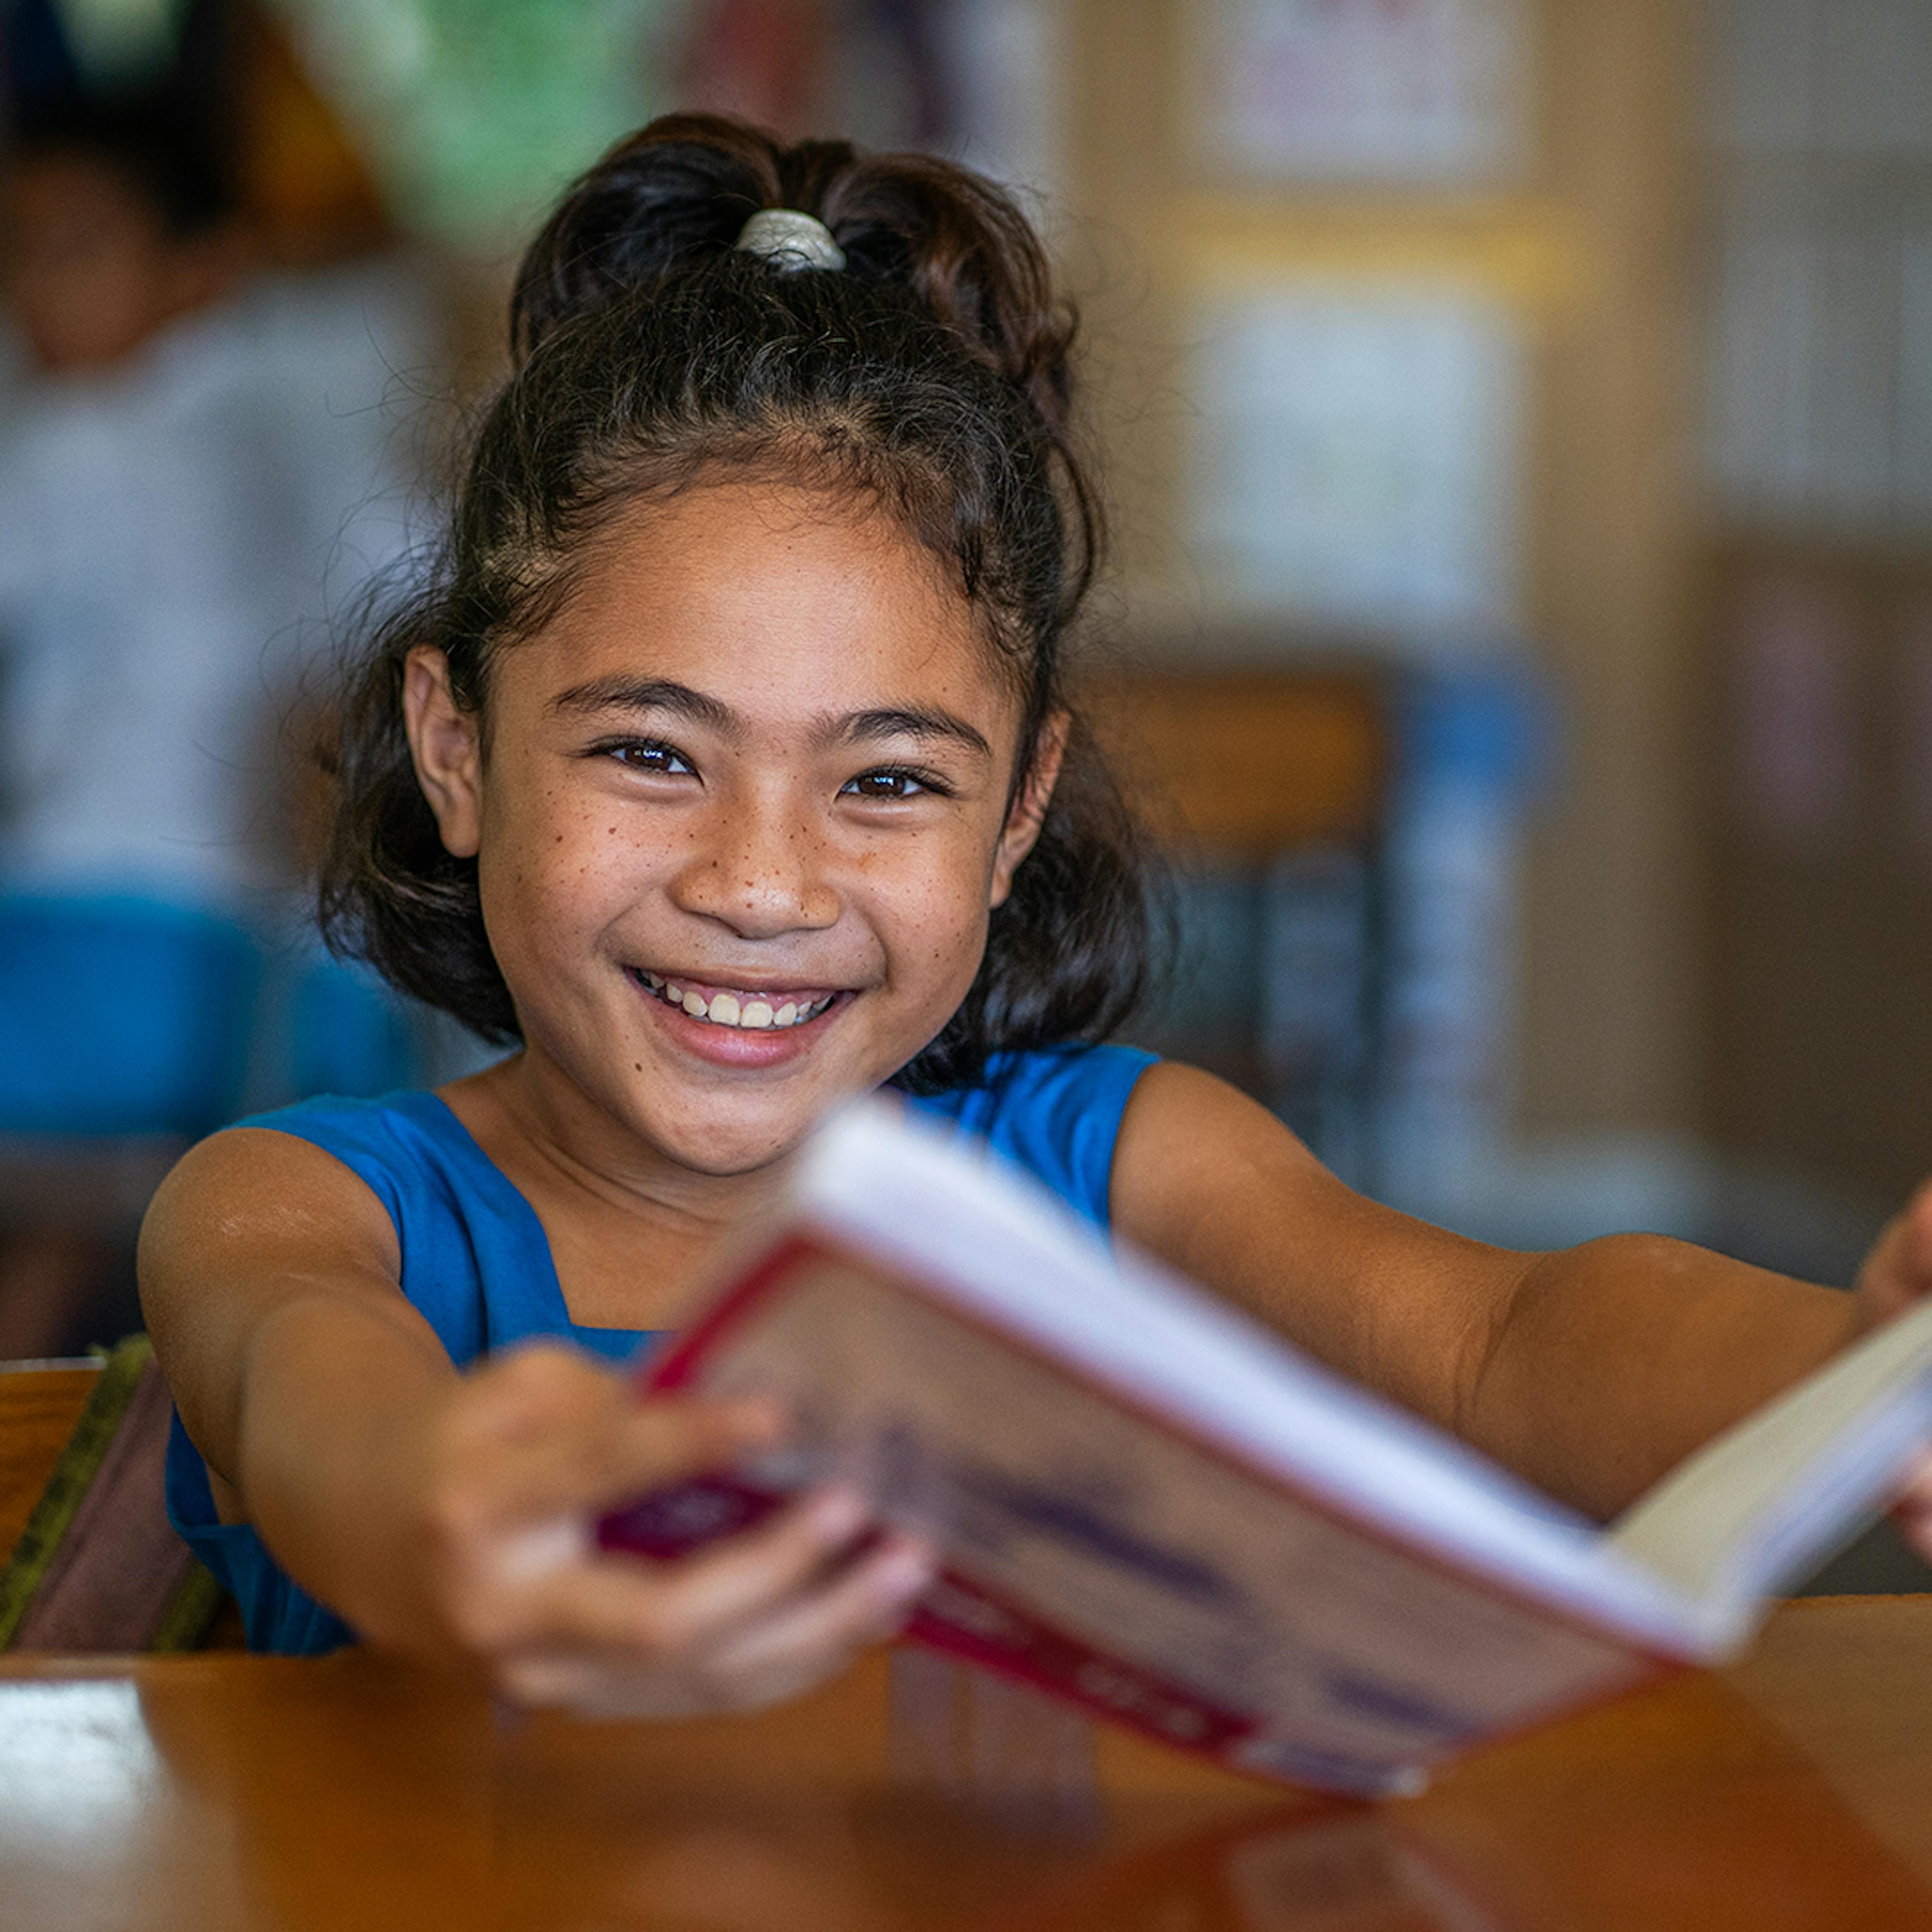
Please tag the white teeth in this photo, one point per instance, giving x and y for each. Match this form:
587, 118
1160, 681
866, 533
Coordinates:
730, 1009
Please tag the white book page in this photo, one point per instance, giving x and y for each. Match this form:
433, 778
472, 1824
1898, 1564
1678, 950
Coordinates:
946, 1213
1752, 1509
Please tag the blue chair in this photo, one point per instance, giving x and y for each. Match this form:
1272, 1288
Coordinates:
125, 1026
337, 1028
121, 1016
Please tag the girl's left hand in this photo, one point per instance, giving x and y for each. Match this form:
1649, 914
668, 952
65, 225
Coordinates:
1896, 1273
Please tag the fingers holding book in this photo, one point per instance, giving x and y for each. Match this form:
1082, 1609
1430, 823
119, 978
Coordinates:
749, 1622
1897, 1273
532, 1447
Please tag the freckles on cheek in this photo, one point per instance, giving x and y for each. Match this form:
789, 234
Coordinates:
957, 943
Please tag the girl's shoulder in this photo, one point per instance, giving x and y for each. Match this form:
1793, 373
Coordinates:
397, 1144
475, 1261
1055, 1111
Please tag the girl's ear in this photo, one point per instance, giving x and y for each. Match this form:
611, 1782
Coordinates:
1029, 812
447, 751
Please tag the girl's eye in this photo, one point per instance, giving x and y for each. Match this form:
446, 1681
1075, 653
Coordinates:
645, 754
890, 783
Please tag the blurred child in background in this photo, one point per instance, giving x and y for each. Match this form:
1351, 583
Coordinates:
191, 471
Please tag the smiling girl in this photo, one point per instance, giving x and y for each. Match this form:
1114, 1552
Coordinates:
727, 770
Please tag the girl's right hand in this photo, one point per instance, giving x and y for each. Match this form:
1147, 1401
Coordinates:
1897, 1273
518, 1462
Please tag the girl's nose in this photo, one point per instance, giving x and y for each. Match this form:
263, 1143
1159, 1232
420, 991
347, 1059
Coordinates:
762, 874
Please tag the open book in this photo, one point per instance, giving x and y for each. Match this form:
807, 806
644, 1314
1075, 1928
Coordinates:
1151, 1505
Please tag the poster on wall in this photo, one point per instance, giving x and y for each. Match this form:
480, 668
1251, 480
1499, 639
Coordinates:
1401, 91
1357, 459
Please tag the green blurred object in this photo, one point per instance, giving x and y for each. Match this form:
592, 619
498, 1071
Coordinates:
476, 112
121, 43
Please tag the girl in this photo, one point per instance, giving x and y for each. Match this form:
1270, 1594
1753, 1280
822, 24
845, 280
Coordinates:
727, 769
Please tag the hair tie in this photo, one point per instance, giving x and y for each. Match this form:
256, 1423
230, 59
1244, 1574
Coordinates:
789, 238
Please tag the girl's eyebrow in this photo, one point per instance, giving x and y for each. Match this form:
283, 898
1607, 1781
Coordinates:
860, 727
619, 693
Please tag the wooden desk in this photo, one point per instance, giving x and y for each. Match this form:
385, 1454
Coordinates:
219, 1792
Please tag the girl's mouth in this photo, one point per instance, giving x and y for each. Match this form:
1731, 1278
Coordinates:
743, 1011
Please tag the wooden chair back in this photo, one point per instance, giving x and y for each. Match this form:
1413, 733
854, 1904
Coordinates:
1249, 764
40, 1403
91, 1562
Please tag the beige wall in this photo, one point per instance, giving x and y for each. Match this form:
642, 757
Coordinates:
1591, 249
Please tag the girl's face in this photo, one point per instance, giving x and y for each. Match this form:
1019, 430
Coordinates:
740, 813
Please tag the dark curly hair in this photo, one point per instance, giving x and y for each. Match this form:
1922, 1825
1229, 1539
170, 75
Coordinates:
930, 377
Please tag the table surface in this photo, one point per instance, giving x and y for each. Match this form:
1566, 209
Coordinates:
223, 1791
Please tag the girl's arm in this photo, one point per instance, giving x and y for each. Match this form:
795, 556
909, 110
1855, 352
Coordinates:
1591, 1371
446, 1515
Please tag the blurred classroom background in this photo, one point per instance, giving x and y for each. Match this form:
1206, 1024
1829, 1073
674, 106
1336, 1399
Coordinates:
1518, 414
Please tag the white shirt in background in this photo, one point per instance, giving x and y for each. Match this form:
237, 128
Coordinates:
180, 541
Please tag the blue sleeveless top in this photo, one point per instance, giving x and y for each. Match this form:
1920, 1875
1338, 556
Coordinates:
476, 1263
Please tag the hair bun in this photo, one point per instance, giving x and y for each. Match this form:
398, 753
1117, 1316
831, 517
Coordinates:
679, 193
966, 250
674, 194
